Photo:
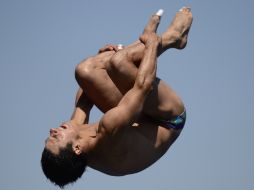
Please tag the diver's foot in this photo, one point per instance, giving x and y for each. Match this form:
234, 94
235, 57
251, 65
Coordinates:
177, 33
153, 22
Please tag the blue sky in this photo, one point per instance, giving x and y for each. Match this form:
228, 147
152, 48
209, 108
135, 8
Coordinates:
41, 42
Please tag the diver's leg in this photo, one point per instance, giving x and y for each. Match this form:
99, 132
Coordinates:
163, 101
92, 74
92, 77
121, 68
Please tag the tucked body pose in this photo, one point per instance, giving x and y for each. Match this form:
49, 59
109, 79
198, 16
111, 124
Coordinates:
142, 117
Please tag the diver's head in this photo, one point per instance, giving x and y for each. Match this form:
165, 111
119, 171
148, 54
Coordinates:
64, 157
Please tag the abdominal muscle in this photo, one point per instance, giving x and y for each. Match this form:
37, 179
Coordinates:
138, 147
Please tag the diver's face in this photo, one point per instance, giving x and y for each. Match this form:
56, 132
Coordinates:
59, 137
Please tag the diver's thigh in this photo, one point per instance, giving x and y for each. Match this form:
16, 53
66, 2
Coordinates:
163, 102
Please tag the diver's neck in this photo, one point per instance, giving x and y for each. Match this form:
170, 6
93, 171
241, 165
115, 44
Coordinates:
89, 135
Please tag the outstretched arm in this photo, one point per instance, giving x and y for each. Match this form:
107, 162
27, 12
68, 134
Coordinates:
131, 104
82, 109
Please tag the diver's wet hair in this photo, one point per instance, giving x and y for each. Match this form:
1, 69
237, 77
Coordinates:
63, 168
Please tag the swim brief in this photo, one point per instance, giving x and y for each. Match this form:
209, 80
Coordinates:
176, 123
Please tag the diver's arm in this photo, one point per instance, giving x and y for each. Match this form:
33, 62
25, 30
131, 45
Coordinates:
82, 109
126, 112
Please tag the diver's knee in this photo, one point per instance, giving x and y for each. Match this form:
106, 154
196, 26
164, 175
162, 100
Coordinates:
117, 61
84, 70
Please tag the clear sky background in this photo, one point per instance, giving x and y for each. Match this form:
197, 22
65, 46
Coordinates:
41, 42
